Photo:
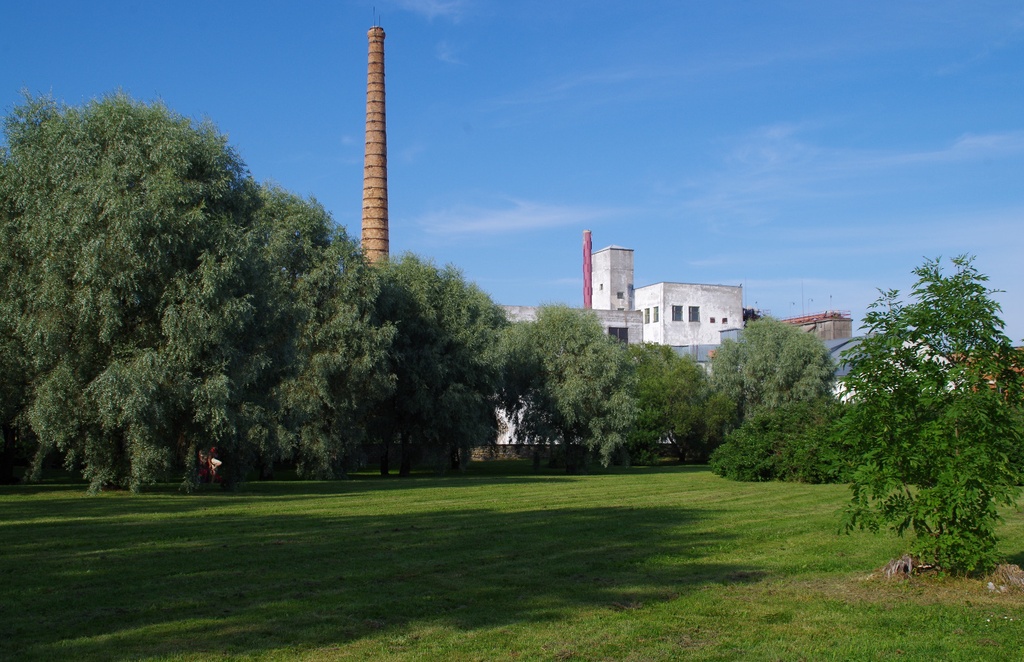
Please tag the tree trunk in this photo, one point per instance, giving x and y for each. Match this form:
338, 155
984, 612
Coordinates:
385, 467
456, 459
405, 469
7, 457
536, 458
575, 459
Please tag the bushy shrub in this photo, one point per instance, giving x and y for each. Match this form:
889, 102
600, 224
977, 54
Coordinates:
794, 441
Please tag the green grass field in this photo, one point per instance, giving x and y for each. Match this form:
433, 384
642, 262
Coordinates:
497, 563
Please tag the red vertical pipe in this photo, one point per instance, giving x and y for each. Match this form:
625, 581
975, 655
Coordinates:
588, 272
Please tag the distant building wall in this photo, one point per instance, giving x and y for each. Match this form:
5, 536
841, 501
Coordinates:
612, 278
680, 314
626, 325
829, 325
830, 329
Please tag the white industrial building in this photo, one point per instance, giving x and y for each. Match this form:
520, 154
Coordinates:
683, 315
676, 314
689, 313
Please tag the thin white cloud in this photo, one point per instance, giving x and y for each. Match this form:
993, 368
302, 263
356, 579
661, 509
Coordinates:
1014, 31
451, 9
411, 152
446, 52
965, 148
774, 165
609, 84
516, 216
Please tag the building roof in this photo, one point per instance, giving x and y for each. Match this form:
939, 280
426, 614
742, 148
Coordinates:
672, 282
836, 348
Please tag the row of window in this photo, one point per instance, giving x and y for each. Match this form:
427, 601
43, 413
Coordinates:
651, 315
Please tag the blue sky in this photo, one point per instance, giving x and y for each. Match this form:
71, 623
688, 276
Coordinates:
812, 152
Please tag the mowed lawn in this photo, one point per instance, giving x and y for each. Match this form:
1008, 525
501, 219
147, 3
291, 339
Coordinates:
497, 563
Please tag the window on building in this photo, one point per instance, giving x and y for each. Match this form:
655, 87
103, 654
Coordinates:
725, 320
654, 314
600, 288
712, 320
620, 333
620, 295
647, 315
677, 313
694, 313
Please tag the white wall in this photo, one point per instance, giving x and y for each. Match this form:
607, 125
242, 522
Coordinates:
619, 319
612, 278
721, 303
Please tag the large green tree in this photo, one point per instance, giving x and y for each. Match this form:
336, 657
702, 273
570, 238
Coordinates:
336, 353
14, 360
445, 362
140, 299
676, 406
569, 383
772, 363
936, 389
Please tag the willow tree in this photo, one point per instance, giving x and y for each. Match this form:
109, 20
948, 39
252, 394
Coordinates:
14, 364
336, 351
141, 309
445, 360
569, 384
772, 364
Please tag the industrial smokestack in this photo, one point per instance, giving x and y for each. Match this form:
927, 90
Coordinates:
375, 163
588, 271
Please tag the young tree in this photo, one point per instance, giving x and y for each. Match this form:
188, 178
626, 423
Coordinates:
569, 382
936, 389
773, 363
675, 404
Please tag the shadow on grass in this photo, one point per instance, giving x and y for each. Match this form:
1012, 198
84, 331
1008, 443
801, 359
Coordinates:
1016, 559
184, 577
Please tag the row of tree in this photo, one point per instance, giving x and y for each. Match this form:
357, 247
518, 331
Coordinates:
157, 301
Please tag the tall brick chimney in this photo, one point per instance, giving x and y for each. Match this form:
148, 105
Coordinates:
375, 163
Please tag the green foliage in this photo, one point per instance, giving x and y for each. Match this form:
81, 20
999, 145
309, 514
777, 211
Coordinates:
796, 441
675, 405
570, 383
445, 360
773, 363
157, 302
936, 389
334, 350
15, 366
138, 299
